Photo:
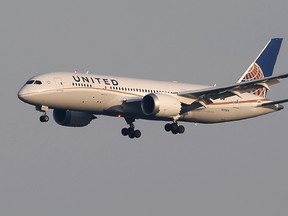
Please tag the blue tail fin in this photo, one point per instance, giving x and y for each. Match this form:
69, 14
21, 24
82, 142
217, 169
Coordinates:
263, 65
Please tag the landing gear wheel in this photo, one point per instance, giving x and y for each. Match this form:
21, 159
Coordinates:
124, 131
131, 135
181, 129
168, 127
174, 128
44, 118
137, 133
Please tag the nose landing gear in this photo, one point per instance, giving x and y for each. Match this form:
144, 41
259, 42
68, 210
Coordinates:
43, 109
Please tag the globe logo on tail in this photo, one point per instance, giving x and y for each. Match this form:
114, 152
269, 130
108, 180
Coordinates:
254, 73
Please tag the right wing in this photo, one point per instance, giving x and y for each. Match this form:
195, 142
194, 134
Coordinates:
274, 102
206, 96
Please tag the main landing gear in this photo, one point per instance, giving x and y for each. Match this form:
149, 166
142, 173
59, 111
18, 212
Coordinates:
130, 131
175, 128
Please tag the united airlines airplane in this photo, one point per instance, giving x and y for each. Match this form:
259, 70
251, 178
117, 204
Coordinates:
77, 98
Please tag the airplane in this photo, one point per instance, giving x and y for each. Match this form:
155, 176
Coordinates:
77, 98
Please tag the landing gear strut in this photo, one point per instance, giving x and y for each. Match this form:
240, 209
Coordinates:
130, 131
175, 128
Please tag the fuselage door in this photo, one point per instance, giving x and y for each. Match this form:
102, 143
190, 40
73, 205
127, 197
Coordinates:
58, 83
236, 104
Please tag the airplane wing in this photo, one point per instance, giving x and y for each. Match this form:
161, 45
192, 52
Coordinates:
232, 90
128, 106
274, 102
205, 96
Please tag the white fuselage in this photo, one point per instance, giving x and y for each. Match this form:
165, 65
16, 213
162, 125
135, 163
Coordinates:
106, 95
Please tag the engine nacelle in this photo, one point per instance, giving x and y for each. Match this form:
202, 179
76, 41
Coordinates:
72, 118
160, 105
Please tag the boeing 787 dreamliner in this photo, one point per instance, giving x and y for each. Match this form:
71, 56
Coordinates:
77, 98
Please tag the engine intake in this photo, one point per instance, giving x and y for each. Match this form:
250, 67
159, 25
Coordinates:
72, 118
160, 105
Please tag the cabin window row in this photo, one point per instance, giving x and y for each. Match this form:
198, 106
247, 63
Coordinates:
82, 85
137, 89
123, 88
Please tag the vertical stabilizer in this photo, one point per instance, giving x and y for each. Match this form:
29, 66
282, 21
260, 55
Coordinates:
263, 65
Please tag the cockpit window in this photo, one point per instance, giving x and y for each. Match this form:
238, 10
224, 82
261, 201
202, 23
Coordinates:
38, 82
35, 82
30, 82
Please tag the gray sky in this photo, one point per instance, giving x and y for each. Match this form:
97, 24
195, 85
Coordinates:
237, 168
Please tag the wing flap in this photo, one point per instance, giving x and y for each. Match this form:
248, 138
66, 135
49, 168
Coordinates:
195, 105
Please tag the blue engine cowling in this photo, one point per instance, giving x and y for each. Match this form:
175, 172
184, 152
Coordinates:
72, 118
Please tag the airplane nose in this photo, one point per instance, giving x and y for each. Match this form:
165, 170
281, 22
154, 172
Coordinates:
23, 94
30, 94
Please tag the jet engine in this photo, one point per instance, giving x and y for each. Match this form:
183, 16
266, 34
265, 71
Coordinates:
160, 105
72, 118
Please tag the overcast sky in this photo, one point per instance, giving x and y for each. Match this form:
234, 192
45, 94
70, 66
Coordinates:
237, 168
